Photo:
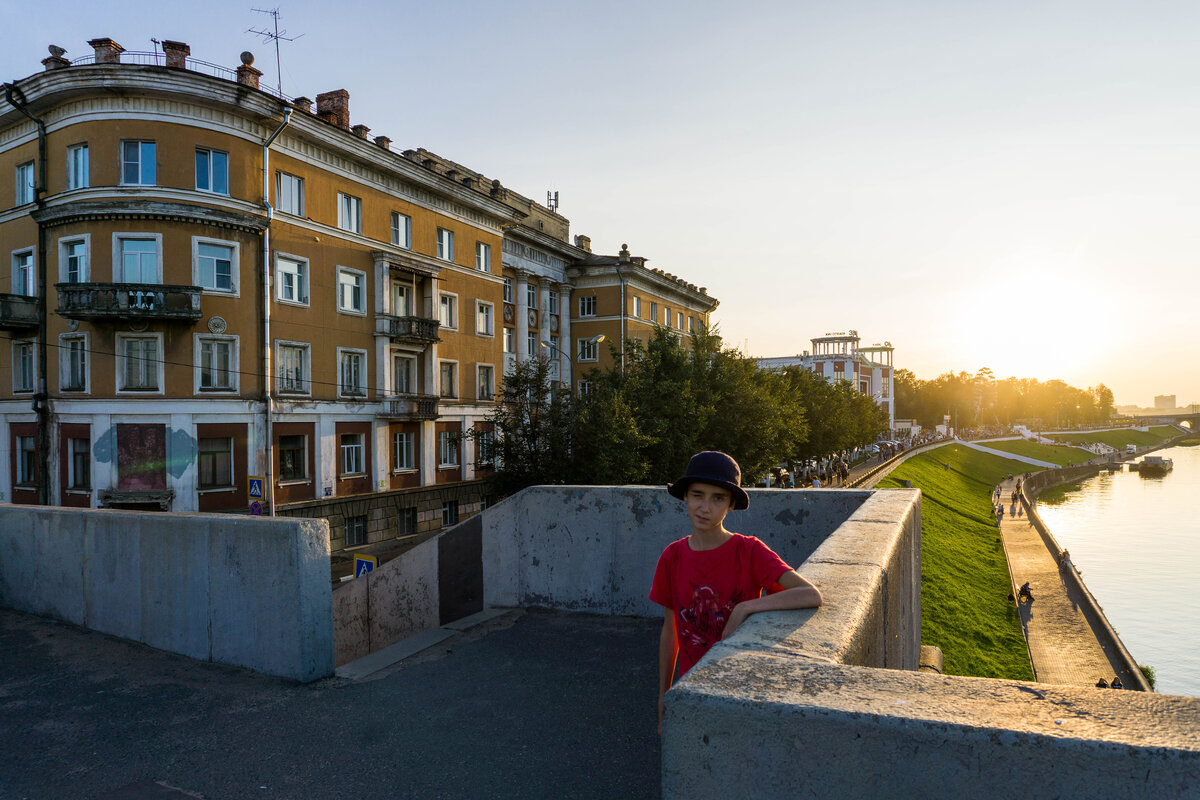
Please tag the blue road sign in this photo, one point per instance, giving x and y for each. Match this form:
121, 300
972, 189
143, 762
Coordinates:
256, 508
364, 564
256, 487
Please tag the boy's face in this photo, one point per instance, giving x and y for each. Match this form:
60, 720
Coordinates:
707, 506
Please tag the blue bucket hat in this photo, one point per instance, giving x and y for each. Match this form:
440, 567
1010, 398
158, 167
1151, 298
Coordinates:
716, 469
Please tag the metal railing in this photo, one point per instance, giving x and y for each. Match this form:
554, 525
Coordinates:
410, 329
97, 301
410, 406
156, 59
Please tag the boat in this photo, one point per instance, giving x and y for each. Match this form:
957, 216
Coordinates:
1153, 466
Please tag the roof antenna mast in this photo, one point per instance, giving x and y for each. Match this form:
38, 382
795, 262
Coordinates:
276, 36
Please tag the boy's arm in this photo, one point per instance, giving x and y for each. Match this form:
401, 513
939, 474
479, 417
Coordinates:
797, 593
668, 650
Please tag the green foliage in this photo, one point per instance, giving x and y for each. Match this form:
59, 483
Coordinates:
1148, 671
534, 429
964, 573
1119, 438
1054, 454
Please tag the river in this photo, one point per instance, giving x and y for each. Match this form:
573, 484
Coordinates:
1136, 542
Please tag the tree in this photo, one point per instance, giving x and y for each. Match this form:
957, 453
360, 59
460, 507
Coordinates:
534, 429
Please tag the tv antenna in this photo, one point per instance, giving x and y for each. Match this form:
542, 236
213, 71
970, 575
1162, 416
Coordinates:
276, 36
552, 201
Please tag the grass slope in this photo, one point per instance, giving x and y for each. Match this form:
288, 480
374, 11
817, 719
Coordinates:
1055, 454
964, 574
1120, 438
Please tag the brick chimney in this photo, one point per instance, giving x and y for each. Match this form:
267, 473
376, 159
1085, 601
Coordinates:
334, 107
303, 103
246, 74
55, 60
623, 256
383, 142
176, 53
361, 131
584, 243
107, 51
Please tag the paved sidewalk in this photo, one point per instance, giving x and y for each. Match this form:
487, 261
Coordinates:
1064, 648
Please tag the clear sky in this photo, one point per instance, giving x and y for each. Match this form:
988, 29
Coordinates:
1011, 185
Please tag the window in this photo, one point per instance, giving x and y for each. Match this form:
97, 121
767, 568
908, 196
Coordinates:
531, 290
137, 163
483, 319
26, 461
553, 309
445, 244
79, 464
352, 373
691, 324
293, 457
531, 342
883, 388
406, 521
353, 460
400, 299
289, 194
555, 349
508, 290
138, 257
679, 318
216, 362
77, 166
212, 171
586, 388
72, 372
654, 312
215, 262
483, 257
73, 260
349, 213
486, 382
24, 372
403, 451
291, 280
292, 368
24, 278
449, 513
589, 350
667, 317
587, 306
404, 374
402, 230
510, 340
26, 183
214, 463
485, 447
637, 307
447, 379
137, 364
447, 449
356, 531
352, 291
448, 311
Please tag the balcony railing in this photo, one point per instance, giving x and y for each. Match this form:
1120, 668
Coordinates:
128, 301
18, 312
417, 330
410, 407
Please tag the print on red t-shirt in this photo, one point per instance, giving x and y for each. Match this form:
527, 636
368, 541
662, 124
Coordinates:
703, 586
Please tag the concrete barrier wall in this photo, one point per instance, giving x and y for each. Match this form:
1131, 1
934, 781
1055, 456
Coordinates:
245, 591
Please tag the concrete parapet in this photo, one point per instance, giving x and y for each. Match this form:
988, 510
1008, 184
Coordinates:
246, 591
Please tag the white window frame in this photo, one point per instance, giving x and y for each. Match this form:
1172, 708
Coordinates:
25, 183
483, 257
19, 476
75, 180
454, 378
531, 295
66, 241
232, 464
588, 349
121, 340
28, 347
485, 450
445, 244
140, 162
305, 379
587, 305
654, 312
361, 280
637, 307
585, 388
235, 256
118, 261
344, 449
404, 443
295, 208
450, 319
292, 480
402, 230
679, 319
72, 473
64, 362
302, 283
212, 153
486, 313
667, 316
344, 356
450, 512
533, 344
402, 299
508, 290
691, 324
448, 449
553, 309
510, 339
30, 287
411, 361
479, 370
199, 340
349, 211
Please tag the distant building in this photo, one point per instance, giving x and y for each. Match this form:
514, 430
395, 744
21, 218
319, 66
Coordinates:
839, 356
1164, 402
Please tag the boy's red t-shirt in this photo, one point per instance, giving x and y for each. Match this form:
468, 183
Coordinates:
703, 586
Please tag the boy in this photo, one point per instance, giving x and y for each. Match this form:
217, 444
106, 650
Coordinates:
710, 581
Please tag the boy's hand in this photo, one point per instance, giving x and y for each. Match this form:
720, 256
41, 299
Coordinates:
736, 618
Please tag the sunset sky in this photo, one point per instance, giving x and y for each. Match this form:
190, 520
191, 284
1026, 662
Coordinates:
1010, 185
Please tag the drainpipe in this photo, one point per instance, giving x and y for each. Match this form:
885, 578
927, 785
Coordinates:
41, 400
268, 410
622, 257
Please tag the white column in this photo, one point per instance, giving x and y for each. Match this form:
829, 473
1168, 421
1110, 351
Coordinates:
383, 455
522, 315
466, 450
544, 314
185, 485
428, 453
564, 333
327, 452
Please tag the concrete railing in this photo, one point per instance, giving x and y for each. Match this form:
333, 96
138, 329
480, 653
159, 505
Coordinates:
246, 591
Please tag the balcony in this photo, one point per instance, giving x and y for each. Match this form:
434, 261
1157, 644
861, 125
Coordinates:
414, 330
98, 302
410, 407
18, 312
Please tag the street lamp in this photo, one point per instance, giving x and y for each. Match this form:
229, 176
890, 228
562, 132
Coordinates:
557, 352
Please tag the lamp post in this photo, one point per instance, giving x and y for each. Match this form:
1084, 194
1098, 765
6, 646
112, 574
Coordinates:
557, 352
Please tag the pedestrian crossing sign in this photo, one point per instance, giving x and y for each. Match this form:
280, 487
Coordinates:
256, 487
364, 564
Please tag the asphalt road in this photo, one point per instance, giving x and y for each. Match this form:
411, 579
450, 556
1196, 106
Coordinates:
531, 705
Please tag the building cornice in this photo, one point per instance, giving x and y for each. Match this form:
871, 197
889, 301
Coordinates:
148, 208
